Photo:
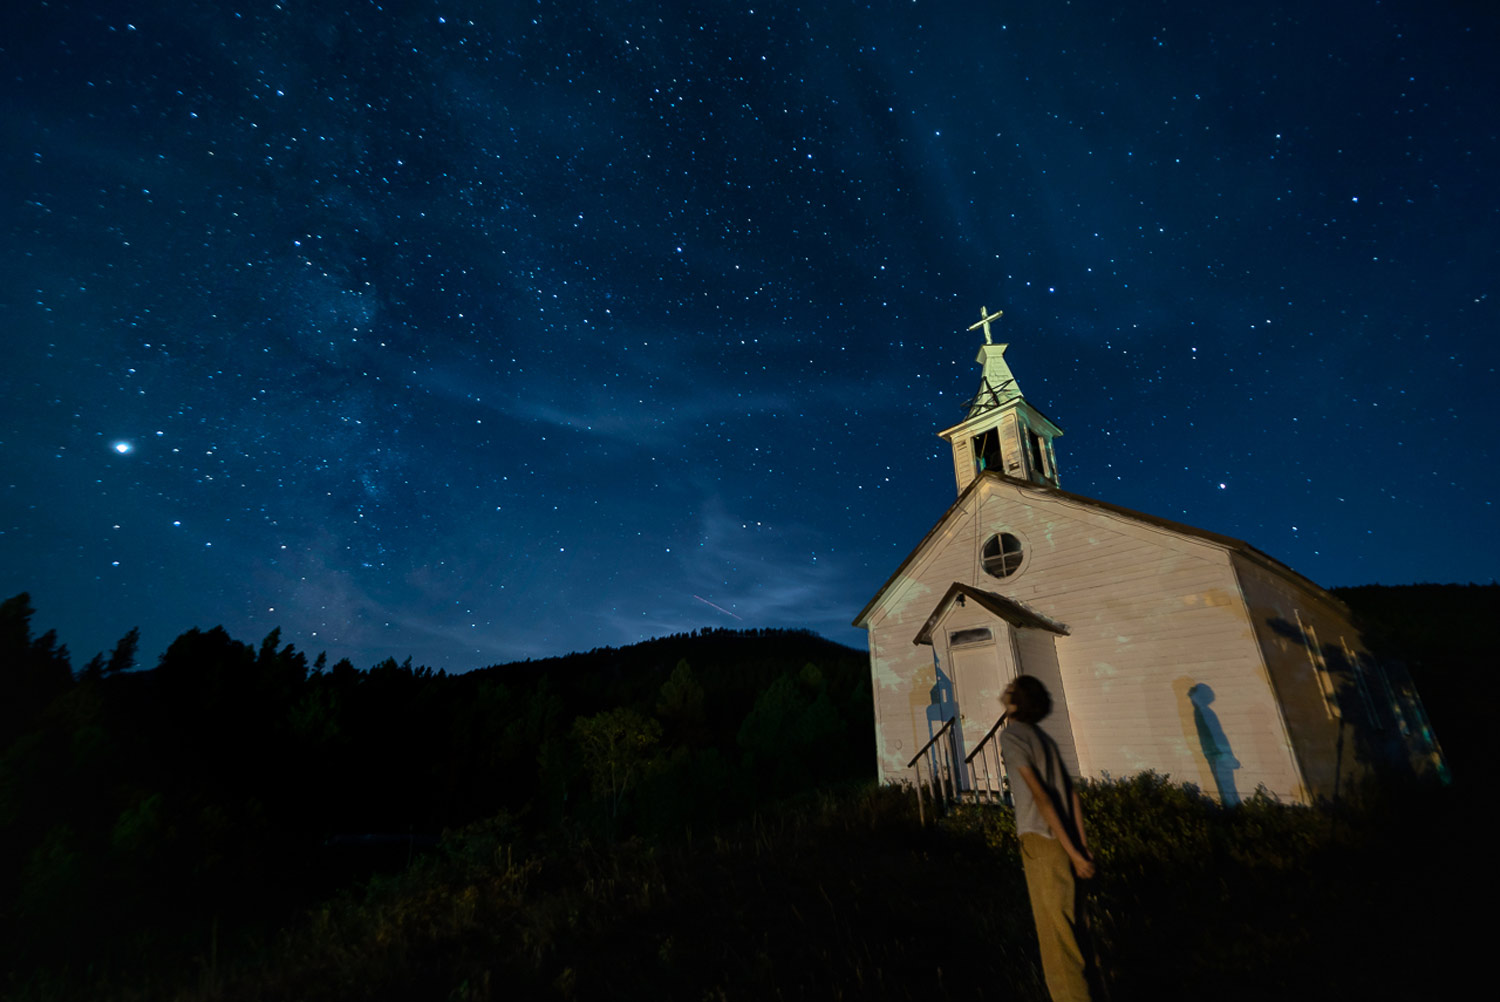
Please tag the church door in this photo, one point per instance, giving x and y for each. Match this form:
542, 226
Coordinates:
981, 664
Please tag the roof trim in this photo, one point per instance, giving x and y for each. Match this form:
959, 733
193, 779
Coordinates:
992, 476
936, 528
1013, 612
948, 434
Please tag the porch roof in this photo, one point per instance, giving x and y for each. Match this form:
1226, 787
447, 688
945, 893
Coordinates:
1008, 609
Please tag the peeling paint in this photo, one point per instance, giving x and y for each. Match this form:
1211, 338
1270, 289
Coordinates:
883, 671
1213, 598
909, 590
1135, 760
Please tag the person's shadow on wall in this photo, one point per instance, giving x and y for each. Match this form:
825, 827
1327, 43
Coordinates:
942, 707
1214, 744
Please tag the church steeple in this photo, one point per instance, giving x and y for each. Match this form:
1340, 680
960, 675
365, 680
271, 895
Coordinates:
1002, 431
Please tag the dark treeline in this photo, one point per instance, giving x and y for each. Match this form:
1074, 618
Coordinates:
230, 785
226, 810
1441, 634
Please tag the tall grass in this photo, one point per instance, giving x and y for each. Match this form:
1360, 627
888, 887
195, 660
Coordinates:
1361, 899
846, 894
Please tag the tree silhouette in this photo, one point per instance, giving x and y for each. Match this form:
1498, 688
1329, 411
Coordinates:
615, 746
32, 672
791, 734
680, 705
122, 658
94, 670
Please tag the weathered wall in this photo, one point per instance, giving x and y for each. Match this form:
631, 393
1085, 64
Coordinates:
1038, 655
1154, 617
902, 673
1343, 714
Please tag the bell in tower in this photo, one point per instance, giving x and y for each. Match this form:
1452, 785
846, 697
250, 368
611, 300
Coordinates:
1002, 432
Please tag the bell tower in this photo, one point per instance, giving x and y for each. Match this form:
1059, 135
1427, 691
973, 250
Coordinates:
1002, 432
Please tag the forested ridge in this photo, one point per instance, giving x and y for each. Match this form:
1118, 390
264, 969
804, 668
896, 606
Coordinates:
160, 825
231, 783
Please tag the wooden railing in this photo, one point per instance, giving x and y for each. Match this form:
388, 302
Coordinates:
941, 785
987, 780
945, 784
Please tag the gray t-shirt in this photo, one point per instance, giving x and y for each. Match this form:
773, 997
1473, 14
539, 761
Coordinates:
1027, 744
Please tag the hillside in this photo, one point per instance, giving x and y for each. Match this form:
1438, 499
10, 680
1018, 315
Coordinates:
698, 799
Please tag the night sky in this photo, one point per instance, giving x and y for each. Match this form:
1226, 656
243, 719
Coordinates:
474, 331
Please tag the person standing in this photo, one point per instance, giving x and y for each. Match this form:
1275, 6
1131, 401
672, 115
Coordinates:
1049, 821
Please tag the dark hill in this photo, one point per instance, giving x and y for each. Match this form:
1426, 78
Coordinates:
1440, 633
234, 783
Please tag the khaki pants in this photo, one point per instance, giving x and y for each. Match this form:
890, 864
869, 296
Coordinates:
1049, 881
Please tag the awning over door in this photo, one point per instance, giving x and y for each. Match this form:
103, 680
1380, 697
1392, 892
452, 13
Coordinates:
1008, 609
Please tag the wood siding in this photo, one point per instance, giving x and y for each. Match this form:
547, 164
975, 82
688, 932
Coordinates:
1151, 614
1038, 654
1011, 448
963, 462
1343, 717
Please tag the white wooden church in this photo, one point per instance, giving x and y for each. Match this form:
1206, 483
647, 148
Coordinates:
1165, 647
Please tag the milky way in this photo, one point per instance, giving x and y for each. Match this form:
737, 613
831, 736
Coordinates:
476, 331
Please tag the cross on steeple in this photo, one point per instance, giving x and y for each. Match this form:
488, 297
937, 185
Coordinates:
1001, 432
984, 321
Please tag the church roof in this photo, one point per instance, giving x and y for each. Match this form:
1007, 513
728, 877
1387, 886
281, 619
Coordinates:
972, 412
991, 476
1008, 609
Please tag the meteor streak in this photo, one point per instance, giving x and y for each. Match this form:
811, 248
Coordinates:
719, 607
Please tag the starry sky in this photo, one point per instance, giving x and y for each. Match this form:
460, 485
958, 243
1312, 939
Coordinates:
474, 331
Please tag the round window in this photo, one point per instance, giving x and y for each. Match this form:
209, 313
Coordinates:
1002, 555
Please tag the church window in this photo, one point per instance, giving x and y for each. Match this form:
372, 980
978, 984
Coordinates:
1038, 460
1002, 555
978, 635
987, 451
1361, 684
1319, 667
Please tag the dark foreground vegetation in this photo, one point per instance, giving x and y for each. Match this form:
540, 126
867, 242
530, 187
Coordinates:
687, 818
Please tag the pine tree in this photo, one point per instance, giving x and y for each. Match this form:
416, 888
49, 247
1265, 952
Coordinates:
122, 658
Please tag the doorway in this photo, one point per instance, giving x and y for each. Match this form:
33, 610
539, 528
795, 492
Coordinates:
982, 666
